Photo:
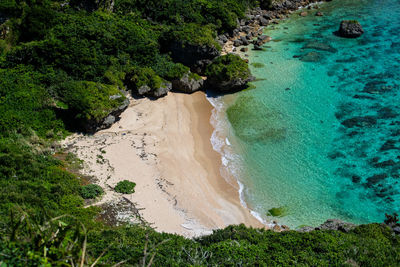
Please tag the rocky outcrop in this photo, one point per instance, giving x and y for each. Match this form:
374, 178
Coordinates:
231, 85
331, 224
93, 126
261, 40
392, 221
350, 29
320, 46
189, 83
145, 90
197, 57
162, 90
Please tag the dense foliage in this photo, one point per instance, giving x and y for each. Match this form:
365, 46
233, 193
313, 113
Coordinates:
368, 245
228, 67
91, 191
64, 64
125, 187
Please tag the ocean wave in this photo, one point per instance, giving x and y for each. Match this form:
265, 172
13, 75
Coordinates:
231, 162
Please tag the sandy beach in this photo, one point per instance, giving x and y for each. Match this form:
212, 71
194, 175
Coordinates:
164, 147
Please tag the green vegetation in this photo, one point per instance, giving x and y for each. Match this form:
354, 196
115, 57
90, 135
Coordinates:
278, 212
64, 238
258, 65
63, 65
227, 68
139, 77
195, 34
125, 187
91, 191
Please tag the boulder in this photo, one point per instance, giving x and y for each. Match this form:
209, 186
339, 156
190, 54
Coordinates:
93, 126
162, 90
261, 40
142, 90
237, 42
263, 21
244, 40
319, 14
350, 29
320, 46
311, 57
145, 90
304, 14
189, 83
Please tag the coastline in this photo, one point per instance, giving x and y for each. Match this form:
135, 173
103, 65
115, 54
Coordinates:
164, 147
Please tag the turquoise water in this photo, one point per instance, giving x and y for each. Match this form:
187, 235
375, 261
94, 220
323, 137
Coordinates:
319, 135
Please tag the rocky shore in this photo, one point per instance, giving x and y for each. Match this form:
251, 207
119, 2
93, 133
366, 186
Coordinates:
250, 29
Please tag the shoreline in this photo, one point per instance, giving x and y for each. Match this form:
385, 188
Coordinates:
181, 188
164, 147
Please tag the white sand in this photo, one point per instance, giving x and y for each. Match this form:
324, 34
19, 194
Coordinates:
164, 147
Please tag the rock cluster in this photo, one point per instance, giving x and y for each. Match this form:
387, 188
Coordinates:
331, 224
188, 83
252, 26
163, 90
350, 29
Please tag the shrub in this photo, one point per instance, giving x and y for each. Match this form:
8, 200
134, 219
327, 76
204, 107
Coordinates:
228, 67
125, 187
91, 191
139, 77
90, 100
195, 34
168, 69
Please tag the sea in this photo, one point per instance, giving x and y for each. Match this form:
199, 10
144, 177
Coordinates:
317, 135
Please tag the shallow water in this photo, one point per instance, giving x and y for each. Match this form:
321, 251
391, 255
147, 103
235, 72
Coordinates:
319, 135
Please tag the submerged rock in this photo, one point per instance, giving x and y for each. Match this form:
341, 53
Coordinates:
360, 121
320, 46
350, 29
311, 57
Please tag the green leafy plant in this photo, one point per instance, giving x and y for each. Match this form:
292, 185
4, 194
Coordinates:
125, 187
91, 191
228, 67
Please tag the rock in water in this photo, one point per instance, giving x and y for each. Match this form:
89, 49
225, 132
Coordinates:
350, 29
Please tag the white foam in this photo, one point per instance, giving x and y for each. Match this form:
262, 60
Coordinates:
227, 141
222, 145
